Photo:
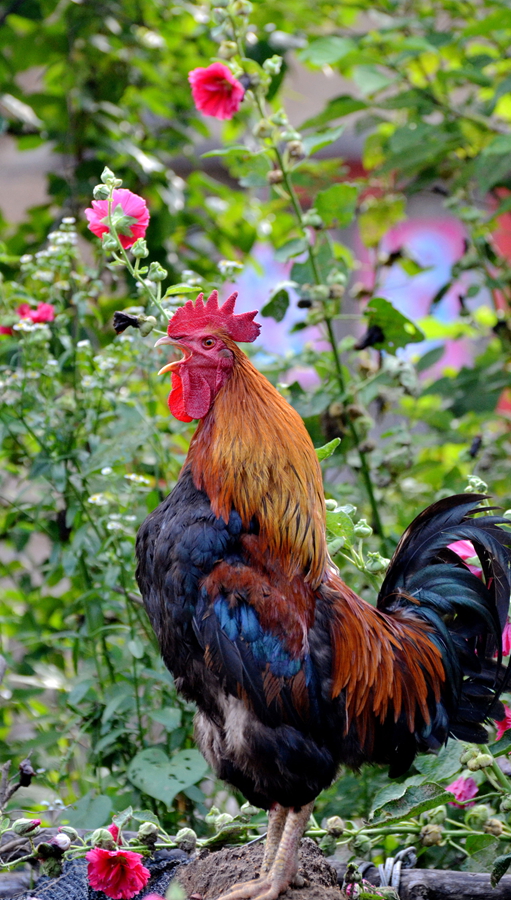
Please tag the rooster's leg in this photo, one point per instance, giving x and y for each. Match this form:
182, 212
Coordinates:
276, 821
285, 864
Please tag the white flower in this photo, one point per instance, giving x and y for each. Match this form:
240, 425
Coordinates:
26, 258
229, 267
69, 220
130, 518
81, 345
98, 500
137, 479
106, 470
43, 275
114, 526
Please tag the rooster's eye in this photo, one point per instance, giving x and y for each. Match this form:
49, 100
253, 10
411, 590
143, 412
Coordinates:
208, 343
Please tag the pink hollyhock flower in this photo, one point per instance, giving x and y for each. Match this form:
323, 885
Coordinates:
118, 873
129, 214
215, 91
114, 831
463, 789
4, 329
504, 724
465, 549
45, 312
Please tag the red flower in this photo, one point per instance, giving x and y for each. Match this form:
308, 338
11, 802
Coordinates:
118, 873
465, 549
504, 724
463, 789
4, 329
215, 91
114, 831
129, 214
45, 312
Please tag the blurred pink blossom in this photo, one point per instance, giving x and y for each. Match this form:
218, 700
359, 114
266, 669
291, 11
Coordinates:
215, 91
465, 549
504, 724
463, 789
128, 209
44, 312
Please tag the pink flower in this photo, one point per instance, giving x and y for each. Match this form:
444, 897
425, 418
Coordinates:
215, 91
463, 789
114, 831
45, 312
118, 873
465, 549
129, 214
4, 329
504, 724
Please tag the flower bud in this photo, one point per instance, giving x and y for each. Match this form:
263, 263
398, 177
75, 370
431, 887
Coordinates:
328, 844
279, 118
108, 178
494, 826
219, 15
476, 485
437, 815
276, 176
291, 135
335, 826
505, 804
25, 826
157, 272
477, 816
481, 761
26, 772
71, 832
227, 49
362, 843
147, 326
362, 529
431, 835
273, 65
101, 192
222, 820
242, 8
312, 218
186, 840
376, 563
468, 753
139, 249
109, 243
262, 129
101, 837
61, 841
148, 834
336, 291
296, 149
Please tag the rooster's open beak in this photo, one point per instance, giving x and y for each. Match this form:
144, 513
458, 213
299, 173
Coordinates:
172, 365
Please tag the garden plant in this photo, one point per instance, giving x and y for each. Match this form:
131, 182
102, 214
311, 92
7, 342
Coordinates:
93, 736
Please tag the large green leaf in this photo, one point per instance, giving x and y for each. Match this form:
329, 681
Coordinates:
89, 811
500, 867
325, 51
277, 305
153, 773
415, 800
398, 331
337, 204
340, 524
444, 765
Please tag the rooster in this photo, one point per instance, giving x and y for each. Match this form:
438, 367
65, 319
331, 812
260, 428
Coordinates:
292, 673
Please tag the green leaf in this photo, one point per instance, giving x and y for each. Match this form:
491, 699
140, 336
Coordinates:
145, 815
398, 331
393, 791
136, 648
444, 765
500, 867
277, 305
325, 51
232, 150
327, 449
121, 818
337, 204
339, 524
430, 358
376, 220
89, 811
335, 109
291, 248
153, 773
315, 142
179, 289
476, 842
415, 800
170, 717
499, 748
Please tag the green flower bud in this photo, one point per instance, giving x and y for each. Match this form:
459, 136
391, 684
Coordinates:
276, 176
242, 8
109, 243
101, 837
437, 815
477, 816
212, 815
157, 272
476, 485
505, 804
328, 844
262, 129
362, 844
279, 118
45, 850
296, 149
481, 761
148, 833
247, 811
147, 326
108, 178
376, 563
468, 753
431, 835
222, 820
139, 249
273, 65
186, 840
25, 826
71, 832
335, 826
318, 292
291, 135
362, 529
101, 192
227, 49
312, 218
494, 826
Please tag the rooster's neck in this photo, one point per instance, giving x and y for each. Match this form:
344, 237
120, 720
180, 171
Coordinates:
252, 453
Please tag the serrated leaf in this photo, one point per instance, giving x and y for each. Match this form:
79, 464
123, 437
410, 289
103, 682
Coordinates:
327, 449
500, 867
153, 773
277, 305
337, 204
392, 791
444, 765
170, 717
340, 524
315, 142
398, 331
415, 800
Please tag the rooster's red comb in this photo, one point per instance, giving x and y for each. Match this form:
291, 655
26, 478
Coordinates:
199, 315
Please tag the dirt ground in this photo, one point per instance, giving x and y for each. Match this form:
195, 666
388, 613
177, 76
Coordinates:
212, 874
